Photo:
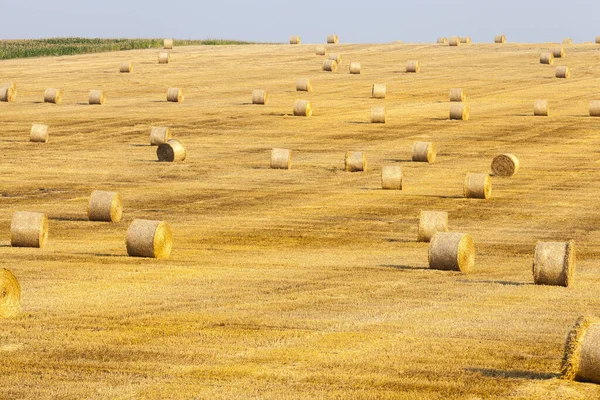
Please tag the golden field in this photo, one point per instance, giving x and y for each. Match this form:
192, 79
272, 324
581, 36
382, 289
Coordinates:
301, 283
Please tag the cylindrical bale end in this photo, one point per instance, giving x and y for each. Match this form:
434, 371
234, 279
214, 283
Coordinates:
53, 96
281, 159
164, 58
303, 108
355, 68
595, 108
554, 263
260, 96
321, 51
28, 229
459, 111
105, 206
378, 91
452, 251
430, 223
146, 238
159, 135
563, 72
332, 39
457, 95
171, 151
500, 39
378, 115
477, 186
391, 177
8, 92
559, 52
126, 66
330, 65
541, 108
454, 41
10, 294
505, 165
424, 152
547, 58
168, 44
581, 357
97, 97
413, 66
303, 85
39, 133
442, 40
294, 39
355, 161
175, 95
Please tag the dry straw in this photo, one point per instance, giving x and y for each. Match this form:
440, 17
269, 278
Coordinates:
336, 57
171, 151
581, 357
391, 177
442, 40
105, 206
281, 159
355, 68
413, 66
126, 66
164, 58
505, 165
547, 58
146, 238
563, 72
260, 96
558, 52
459, 111
39, 133
378, 91
28, 229
97, 97
477, 186
430, 223
500, 39
454, 41
457, 95
332, 39
541, 108
554, 263
303, 85
424, 152
355, 161
10, 294
452, 251
378, 115
53, 96
321, 51
303, 108
330, 65
8, 92
465, 40
294, 39
567, 41
175, 95
168, 44
595, 108
159, 135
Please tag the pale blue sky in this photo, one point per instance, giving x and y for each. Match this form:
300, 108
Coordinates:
275, 21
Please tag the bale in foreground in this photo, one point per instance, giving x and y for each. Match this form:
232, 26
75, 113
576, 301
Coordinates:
260, 96
477, 186
175, 95
146, 238
554, 263
171, 151
28, 229
424, 152
505, 165
355, 161
452, 251
39, 133
53, 96
159, 135
281, 159
97, 97
378, 115
8, 92
581, 357
459, 111
105, 206
10, 294
391, 177
302, 108
430, 223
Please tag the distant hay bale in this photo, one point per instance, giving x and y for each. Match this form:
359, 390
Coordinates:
146, 238
97, 97
452, 251
336, 57
567, 41
168, 44
500, 39
378, 115
541, 108
126, 66
303, 108
413, 66
563, 72
558, 52
465, 40
554, 263
175, 95
355, 161
442, 40
477, 186
430, 223
459, 111
332, 39
159, 135
39, 133
8, 92
547, 58
53, 96
260, 96
281, 159
164, 58
597, 39
595, 108
457, 95
581, 357
454, 41
105, 206
391, 177
378, 91
321, 51
294, 39
330, 65
10, 294
424, 152
303, 85
171, 151
28, 229
355, 68
505, 165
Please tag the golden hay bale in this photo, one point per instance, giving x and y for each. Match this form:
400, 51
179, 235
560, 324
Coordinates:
28, 229
378, 91
567, 41
451, 251
500, 39
558, 52
477, 186
355, 161
547, 58
424, 152
105, 206
457, 94
175, 95
159, 135
442, 40
413, 66
332, 39
554, 263
281, 159
321, 51
294, 39
505, 165
53, 96
581, 357
430, 223
391, 177
10, 294
8, 92
97, 97
330, 65
171, 151
39, 133
126, 66
303, 108
597, 40
164, 58
355, 68
336, 57
563, 72
260, 96
595, 108
378, 115
454, 41
541, 108
465, 40
168, 44
459, 111
146, 238
303, 85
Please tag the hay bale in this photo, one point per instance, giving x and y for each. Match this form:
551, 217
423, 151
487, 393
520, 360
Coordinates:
330, 65
558, 52
391, 177
541, 108
413, 66
53, 96
465, 40
505, 165
581, 357
126, 66
457, 95
442, 40
563, 72
430, 223
378, 91
303, 108
281, 159
294, 39
146, 238
39, 133
452, 251
171, 151
164, 58
97, 97
175, 95
459, 111
332, 39
8, 92
554, 263
477, 186
260, 96
321, 51
378, 115
303, 85
10, 294
28, 229
597, 39
454, 41
105, 206
168, 44
424, 152
355, 68
595, 108
500, 39
355, 161
335, 57
567, 41
547, 58
159, 135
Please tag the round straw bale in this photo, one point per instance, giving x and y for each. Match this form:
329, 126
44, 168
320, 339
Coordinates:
105, 206
281, 159
391, 177
597, 39
567, 41
8, 92
595, 108
336, 57
97, 97
547, 58
126, 66
355, 68
541, 108
10, 294
330, 65
423, 152
378, 115
442, 40
465, 40
321, 51
459, 111
175, 95
413, 66
554, 263
171, 151
355, 161
332, 39
168, 44
457, 94
164, 58
39, 133
581, 357
477, 186
303, 108
452, 251
146, 238
260, 96
53, 96
303, 85
563, 72
294, 39
454, 41
430, 223
505, 165
159, 135
378, 91
28, 229
500, 39
558, 52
